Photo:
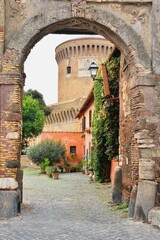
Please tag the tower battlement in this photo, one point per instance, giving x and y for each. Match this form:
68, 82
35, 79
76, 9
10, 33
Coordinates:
84, 47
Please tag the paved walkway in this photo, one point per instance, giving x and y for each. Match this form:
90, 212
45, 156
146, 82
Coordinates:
70, 208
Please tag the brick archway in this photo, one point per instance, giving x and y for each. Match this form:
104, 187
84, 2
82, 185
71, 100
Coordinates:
137, 80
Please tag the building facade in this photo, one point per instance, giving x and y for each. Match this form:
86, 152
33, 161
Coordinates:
84, 117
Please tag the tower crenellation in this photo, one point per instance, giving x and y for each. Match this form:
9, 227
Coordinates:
100, 47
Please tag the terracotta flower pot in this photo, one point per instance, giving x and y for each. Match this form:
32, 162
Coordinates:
55, 175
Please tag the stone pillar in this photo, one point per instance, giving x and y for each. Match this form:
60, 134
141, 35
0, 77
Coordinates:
146, 138
132, 202
156, 36
11, 86
145, 200
2, 25
117, 186
156, 69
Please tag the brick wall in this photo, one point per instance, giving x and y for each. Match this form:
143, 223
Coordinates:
11, 120
125, 148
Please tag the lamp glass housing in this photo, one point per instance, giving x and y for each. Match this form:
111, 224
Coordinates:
93, 70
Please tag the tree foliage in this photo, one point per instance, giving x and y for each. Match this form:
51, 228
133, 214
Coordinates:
105, 126
33, 118
38, 96
47, 149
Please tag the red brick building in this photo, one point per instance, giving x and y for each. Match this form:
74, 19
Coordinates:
85, 124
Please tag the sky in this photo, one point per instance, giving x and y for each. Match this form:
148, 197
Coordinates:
41, 67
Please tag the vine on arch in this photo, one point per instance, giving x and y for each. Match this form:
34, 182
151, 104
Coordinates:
106, 121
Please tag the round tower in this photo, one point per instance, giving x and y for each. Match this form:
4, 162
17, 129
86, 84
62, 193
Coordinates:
74, 58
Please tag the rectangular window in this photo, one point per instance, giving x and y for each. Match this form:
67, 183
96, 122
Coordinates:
83, 124
72, 149
69, 70
90, 118
90, 150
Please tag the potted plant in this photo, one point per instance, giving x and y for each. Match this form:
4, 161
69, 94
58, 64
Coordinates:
55, 172
49, 171
73, 155
91, 172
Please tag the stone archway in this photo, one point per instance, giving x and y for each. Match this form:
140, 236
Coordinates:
138, 136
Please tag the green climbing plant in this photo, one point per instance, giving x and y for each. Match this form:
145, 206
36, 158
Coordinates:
111, 129
105, 126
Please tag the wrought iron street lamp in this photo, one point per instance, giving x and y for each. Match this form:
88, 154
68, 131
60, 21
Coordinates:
93, 70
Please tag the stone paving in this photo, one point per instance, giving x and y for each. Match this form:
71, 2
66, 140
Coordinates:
70, 208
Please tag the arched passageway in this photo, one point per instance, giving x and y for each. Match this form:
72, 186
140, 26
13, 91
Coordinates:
139, 138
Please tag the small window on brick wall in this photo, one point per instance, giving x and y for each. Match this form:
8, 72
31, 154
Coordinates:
69, 70
83, 124
90, 118
72, 149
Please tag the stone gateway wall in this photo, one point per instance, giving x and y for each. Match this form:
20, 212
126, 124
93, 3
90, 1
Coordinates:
133, 26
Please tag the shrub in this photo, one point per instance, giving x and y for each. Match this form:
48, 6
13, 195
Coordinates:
50, 149
44, 165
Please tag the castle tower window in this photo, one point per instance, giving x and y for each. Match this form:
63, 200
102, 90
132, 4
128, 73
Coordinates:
74, 51
79, 50
102, 49
69, 70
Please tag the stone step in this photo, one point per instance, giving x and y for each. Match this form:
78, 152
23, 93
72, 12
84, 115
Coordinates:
154, 216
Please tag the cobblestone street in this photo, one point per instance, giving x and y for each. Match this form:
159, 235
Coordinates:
70, 208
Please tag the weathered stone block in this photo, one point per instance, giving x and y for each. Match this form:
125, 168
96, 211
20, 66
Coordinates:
145, 200
132, 202
143, 134
19, 179
14, 107
12, 135
146, 153
144, 140
149, 153
146, 169
146, 146
139, 214
154, 216
9, 201
117, 186
12, 164
12, 117
8, 183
